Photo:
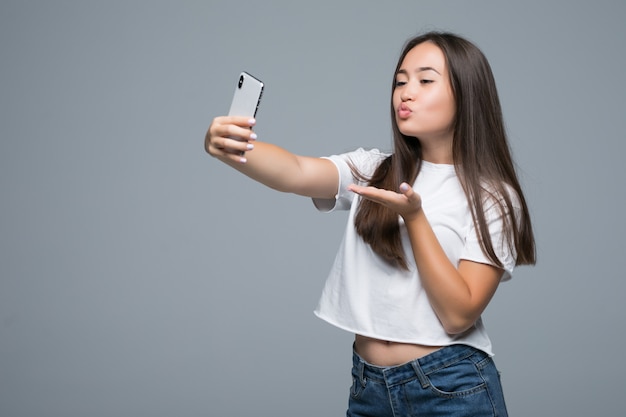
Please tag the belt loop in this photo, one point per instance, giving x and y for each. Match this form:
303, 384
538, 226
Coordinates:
360, 371
420, 374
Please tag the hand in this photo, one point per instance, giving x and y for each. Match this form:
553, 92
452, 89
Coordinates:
230, 137
407, 203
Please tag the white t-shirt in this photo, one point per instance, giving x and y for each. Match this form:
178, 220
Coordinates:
365, 295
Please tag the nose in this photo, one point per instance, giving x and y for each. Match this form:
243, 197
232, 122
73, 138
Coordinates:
407, 93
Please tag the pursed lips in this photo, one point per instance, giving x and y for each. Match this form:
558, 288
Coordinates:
404, 111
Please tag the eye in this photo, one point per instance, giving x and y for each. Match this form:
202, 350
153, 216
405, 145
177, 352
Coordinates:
426, 81
400, 83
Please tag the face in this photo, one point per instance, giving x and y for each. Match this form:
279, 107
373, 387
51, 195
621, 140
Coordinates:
422, 97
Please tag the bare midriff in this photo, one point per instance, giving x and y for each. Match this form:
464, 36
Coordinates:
384, 353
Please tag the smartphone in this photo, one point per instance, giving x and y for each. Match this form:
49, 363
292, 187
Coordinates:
247, 96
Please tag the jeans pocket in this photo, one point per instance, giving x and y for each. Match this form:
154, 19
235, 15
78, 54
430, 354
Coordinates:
358, 384
460, 379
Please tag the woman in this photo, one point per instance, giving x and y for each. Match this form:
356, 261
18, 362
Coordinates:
434, 227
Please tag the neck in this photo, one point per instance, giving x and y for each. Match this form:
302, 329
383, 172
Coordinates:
437, 153
437, 148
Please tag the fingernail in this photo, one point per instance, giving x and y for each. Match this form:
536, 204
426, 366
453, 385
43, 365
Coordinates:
243, 160
253, 136
251, 122
404, 187
249, 146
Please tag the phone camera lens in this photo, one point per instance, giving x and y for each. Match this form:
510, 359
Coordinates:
240, 81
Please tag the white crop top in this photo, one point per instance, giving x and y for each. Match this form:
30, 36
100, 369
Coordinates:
365, 295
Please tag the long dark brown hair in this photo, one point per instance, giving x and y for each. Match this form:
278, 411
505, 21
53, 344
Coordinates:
481, 155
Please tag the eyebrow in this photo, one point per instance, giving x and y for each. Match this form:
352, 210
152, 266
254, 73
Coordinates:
420, 69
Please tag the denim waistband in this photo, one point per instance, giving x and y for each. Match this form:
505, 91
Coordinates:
420, 367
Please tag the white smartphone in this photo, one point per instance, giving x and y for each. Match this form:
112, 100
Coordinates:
247, 96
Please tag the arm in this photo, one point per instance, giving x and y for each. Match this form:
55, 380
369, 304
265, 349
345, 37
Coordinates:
228, 138
458, 295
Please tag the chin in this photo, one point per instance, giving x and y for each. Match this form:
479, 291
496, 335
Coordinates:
408, 132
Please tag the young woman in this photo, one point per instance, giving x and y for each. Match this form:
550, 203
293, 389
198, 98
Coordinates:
434, 227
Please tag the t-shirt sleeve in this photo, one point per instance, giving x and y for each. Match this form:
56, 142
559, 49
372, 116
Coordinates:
505, 252
365, 161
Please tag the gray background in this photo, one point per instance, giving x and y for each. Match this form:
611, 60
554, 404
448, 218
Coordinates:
139, 276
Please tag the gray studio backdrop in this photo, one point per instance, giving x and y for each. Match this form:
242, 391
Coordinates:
140, 277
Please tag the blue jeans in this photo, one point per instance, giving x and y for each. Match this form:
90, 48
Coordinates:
456, 380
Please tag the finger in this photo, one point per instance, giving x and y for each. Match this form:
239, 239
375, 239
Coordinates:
229, 137
405, 189
375, 194
236, 126
242, 121
408, 192
230, 146
240, 133
231, 131
412, 197
231, 154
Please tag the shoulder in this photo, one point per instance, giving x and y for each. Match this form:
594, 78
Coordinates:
364, 161
500, 194
373, 155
